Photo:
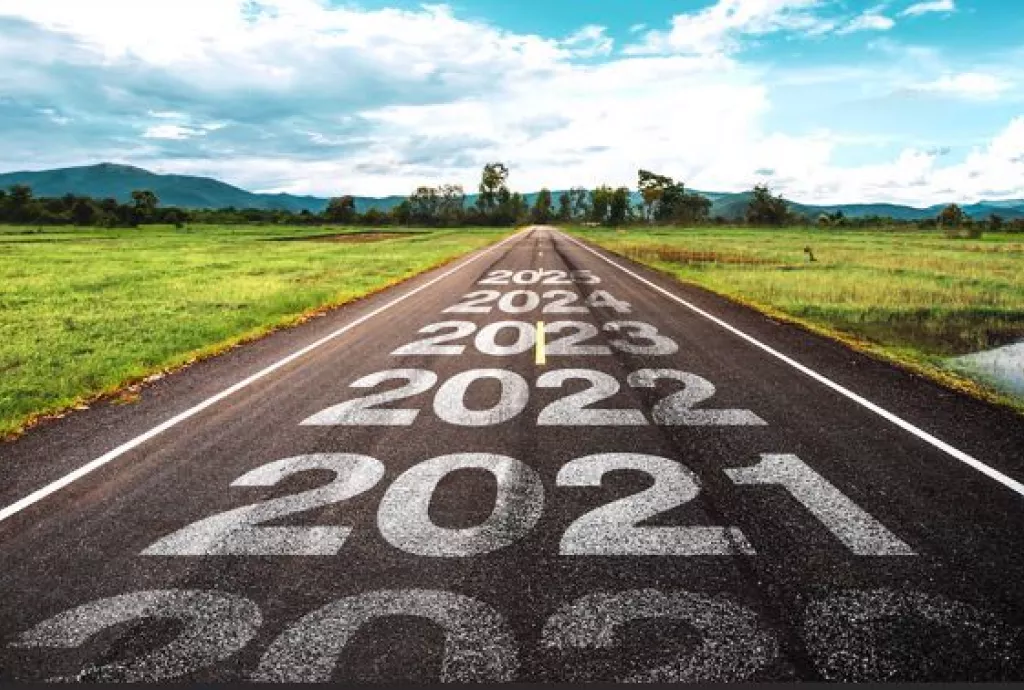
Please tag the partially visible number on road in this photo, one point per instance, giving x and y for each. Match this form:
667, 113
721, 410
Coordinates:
848, 522
573, 410
847, 634
478, 646
525, 301
612, 529
450, 402
404, 517
540, 276
732, 646
363, 411
239, 532
657, 344
677, 409
212, 626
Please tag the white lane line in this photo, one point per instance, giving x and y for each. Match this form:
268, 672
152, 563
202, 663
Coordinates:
67, 479
963, 457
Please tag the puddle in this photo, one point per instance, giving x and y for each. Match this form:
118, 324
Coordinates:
1002, 367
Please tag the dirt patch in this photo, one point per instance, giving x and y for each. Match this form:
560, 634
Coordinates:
350, 237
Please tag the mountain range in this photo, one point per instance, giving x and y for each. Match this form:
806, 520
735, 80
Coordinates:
187, 191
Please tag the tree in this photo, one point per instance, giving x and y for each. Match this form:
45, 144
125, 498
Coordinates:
667, 201
21, 195
144, 203
580, 203
564, 207
951, 217
836, 218
176, 217
542, 208
765, 208
652, 188
83, 212
375, 217
403, 212
619, 207
341, 209
451, 204
492, 184
600, 201
995, 222
515, 210
679, 206
424, 205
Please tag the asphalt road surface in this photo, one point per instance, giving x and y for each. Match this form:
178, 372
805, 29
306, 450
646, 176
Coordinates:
536, 464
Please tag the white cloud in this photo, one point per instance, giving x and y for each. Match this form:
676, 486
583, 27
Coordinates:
805, 172
275, 44
926, 7
717, 29
171, 132
971, 85
869, 21
590, 41
306, 97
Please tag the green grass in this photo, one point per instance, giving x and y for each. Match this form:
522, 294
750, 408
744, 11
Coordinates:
914, 297
85, 312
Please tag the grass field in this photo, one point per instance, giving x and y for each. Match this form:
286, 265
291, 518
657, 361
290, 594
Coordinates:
914, 297
84, 311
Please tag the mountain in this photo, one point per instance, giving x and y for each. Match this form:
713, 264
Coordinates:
118, 181
187, 191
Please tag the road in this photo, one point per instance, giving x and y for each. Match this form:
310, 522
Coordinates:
539, 463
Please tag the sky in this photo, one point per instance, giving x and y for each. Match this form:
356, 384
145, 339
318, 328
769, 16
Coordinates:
826, 101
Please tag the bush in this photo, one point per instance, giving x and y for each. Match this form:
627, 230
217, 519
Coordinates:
966, 231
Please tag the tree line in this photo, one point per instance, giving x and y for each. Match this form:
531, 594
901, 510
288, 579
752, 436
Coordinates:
663, 201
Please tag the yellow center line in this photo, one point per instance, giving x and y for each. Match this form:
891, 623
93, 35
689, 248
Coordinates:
542, 354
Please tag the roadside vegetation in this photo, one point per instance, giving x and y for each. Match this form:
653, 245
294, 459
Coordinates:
96, 293
88, 311
658, 200
912, 296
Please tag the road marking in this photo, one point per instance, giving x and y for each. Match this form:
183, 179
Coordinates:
99, 462
542, 354
963, 457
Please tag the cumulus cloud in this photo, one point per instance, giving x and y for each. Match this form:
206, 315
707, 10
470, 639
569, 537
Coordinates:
930, 6
914, 177
307, 97
719, 28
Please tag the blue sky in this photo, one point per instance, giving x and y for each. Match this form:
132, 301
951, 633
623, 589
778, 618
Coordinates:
826, 100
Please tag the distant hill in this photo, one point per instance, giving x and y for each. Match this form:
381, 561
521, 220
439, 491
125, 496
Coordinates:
187, 191
733, 206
